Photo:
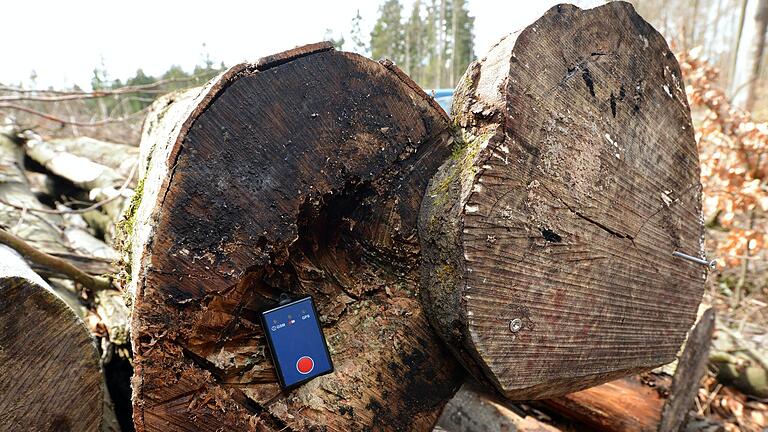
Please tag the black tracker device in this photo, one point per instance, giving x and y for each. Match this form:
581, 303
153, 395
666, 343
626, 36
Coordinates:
296, 341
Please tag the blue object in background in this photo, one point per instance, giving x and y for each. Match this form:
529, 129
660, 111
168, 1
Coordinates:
296, 342
444, 98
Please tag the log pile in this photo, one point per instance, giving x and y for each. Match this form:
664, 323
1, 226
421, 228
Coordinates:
53, 373
520, 250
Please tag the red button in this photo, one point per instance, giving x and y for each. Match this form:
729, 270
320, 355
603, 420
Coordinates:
305, 365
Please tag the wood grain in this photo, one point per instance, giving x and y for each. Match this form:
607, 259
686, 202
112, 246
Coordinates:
576, 178
50, 374
302, 173
651, 402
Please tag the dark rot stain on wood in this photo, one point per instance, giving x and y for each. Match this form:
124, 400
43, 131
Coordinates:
302, 175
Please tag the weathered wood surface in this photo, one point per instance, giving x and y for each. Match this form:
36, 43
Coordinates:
475, 409
50, 375
651, 402
301, 174
577, 178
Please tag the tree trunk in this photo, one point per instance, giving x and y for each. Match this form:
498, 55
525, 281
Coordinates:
749, 54
50, 375
548, 237
653, 402
441, 35
300, 174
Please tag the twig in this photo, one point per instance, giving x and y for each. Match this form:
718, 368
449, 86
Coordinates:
77, 95
68, 122
94, 206
710, 399
50, 261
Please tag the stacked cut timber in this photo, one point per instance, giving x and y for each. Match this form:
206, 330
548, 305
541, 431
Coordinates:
547, 240
50, 371
546, 236
300, 174
104, 171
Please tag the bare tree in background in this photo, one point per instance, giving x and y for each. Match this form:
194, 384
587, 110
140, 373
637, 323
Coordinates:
749, 54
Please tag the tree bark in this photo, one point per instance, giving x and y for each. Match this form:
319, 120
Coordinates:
548, 235
302, 173
50, 375
652, 402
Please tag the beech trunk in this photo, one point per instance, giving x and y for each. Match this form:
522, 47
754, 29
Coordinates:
548, 236
301, 174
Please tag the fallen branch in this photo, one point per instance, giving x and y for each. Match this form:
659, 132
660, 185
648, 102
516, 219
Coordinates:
68, 122
58, 264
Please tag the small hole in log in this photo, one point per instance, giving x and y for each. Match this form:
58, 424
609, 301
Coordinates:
588, 81
551, 236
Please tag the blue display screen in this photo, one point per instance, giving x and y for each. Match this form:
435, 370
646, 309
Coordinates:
297, 343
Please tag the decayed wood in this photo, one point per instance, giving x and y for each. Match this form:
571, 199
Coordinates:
473, 409
651, 402
548, 236
302, 173
50, 376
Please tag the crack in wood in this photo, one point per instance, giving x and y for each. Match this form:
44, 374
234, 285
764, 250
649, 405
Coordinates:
590, 220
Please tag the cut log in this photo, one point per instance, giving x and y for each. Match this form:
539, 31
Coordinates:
300, 174
652, 402
50, 376
474, 409
548, 236
63, 236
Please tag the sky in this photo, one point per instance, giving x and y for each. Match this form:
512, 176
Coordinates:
63, 41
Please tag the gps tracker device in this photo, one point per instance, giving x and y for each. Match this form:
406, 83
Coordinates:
296, 341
